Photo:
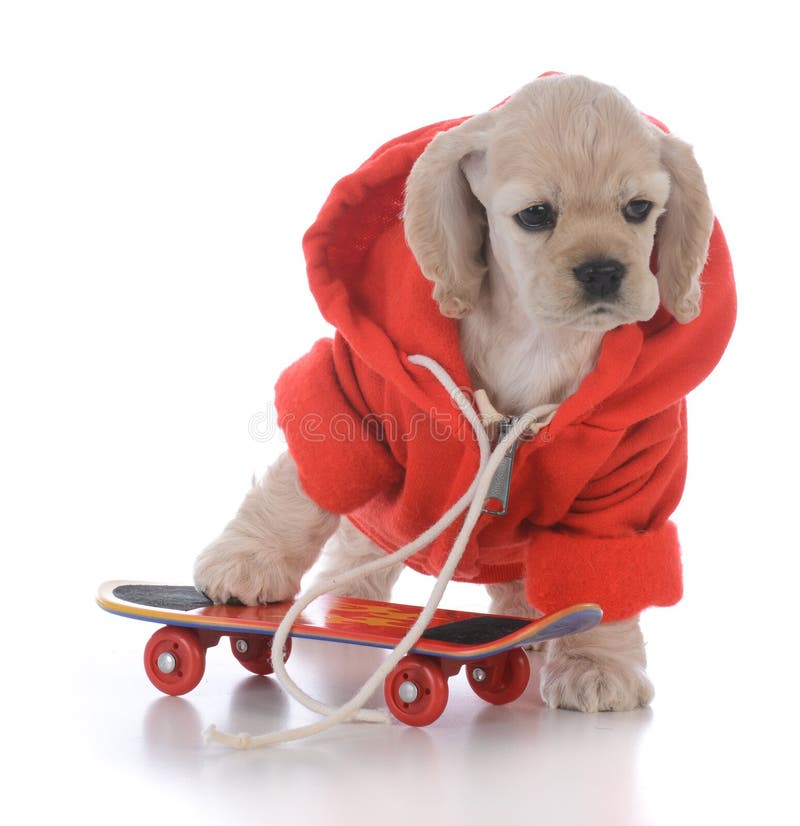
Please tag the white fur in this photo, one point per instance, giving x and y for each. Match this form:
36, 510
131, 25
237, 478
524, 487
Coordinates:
599, 670
275, 537
528, 332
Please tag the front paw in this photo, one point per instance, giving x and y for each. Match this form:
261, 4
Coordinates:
582, 682
241, 568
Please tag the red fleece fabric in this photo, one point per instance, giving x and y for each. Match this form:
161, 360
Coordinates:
377, 438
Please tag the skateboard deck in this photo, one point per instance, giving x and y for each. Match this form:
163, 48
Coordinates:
416, 690
452, 634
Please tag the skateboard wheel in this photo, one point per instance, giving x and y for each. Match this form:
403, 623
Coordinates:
416, 690
254, 652
500, 679
174, 660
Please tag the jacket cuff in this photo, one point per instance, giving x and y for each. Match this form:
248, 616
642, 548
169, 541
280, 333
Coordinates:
341, 465
624, 575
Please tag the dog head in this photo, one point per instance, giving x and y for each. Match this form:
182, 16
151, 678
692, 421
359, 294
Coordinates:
567, 187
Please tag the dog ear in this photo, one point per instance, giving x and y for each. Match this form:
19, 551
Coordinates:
683, 231
445, 224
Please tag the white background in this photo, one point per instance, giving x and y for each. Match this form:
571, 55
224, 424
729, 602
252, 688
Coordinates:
159, 163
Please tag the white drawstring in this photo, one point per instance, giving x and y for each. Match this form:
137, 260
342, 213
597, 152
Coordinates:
472, 500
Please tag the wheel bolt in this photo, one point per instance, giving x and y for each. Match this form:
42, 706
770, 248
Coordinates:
408, 691
479, 675
166, 662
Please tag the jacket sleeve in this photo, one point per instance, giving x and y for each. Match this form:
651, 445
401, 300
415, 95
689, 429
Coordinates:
341, 455
616, 546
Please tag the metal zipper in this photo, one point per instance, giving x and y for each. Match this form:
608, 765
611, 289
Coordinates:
496, 502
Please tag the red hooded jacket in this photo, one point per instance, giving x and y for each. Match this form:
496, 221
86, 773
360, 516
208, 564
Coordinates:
378, 438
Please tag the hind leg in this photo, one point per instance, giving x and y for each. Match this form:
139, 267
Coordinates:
509, 598
349, 549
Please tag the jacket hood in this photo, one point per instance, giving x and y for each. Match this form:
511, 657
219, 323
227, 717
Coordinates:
591, 495
369, 287
365, 279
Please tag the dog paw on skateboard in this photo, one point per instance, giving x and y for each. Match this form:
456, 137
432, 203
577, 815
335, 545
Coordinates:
275, 537
240, 568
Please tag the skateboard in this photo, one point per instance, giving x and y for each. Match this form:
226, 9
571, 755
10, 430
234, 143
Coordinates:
416, 692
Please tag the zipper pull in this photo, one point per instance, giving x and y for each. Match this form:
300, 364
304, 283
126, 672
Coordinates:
496, 502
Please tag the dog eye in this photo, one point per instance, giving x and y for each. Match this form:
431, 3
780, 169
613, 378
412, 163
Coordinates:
637, 210
539, 216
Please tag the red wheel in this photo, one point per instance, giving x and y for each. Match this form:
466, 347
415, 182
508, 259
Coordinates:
500, 679
174, 660
254, 652
416, 690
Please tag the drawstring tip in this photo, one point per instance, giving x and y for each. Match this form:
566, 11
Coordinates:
236, 741
209, 734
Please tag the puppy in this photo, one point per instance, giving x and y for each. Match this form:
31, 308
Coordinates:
536, 223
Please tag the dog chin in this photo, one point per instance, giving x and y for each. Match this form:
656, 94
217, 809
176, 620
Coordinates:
605, 317
600, 319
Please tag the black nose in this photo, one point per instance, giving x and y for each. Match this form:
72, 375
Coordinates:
600, 276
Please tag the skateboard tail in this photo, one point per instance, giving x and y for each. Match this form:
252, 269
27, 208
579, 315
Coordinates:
583, 619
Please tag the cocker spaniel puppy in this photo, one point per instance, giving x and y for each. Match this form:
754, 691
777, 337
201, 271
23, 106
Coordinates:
565, 235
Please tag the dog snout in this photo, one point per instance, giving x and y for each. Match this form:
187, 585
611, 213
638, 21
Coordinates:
600, 277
